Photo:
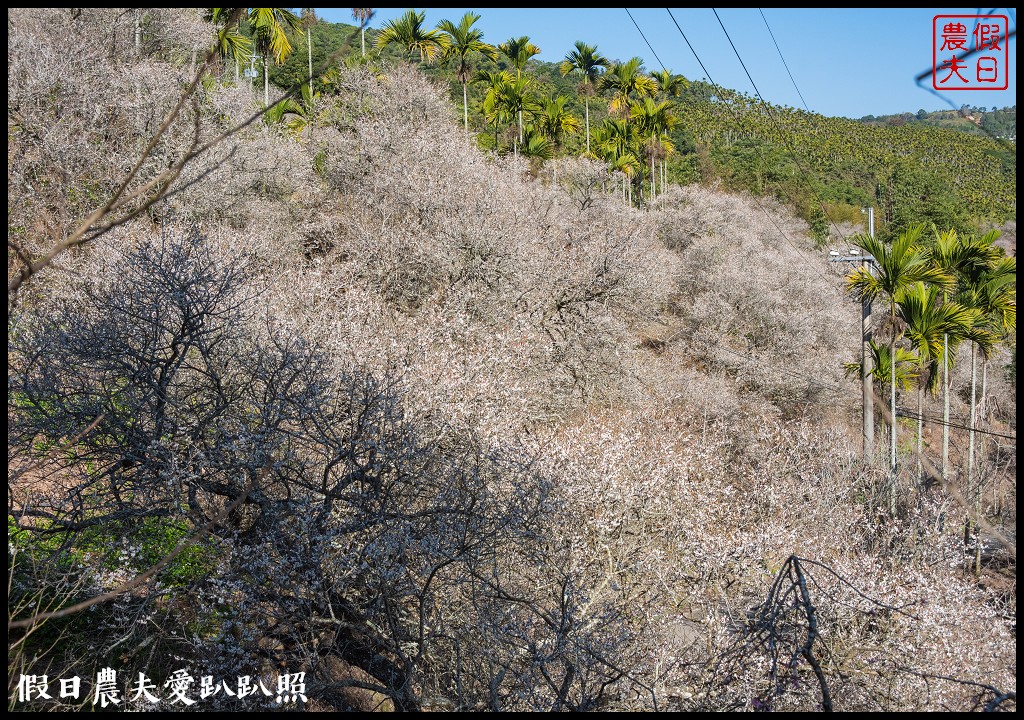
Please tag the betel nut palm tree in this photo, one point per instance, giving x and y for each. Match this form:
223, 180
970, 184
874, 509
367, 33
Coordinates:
934, 329
587, 64
992, 292
627, 82
962, 258
409, 33
654, 120
363, 16
463, 40
894, 269
270, 28
231, 44
519, 51
881, 367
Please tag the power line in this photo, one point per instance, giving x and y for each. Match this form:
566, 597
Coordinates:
784, 63
771, 116
729, 107
903, 412
646, 40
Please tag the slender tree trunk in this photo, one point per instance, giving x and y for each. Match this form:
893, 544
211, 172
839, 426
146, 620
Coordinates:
652, 178
970, 462
945, 407
892, 409
362, 38
520, 126
586, 104
983, 402
266, 83
920, 421
983, 416
465, 108
138, 30
970, 445
309, 56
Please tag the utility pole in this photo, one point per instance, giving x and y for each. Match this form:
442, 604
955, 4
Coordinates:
866, 329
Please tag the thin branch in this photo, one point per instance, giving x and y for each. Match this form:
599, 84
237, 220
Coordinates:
161, 183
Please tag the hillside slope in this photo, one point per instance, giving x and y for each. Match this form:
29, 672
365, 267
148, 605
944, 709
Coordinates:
459, 432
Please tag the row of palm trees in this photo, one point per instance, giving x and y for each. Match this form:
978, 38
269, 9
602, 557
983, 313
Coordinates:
631, 140
940, 291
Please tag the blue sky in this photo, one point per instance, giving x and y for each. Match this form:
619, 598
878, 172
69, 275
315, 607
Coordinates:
846, 62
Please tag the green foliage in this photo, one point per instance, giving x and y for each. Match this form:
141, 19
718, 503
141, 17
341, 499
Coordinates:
408, 33
156, 537
819, 225
1001, 123
915, 170
918, 173
113, 546
911, 194
881, 367
326, 39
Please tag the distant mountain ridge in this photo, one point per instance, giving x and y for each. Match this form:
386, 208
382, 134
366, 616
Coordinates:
994, 122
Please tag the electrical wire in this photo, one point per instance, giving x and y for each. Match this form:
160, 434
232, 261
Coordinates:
718, 89
642, 35
784, 63
646, 40
905, 413
775, 122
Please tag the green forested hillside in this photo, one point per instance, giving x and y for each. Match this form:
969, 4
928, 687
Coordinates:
910, 171
995, 122
917, 169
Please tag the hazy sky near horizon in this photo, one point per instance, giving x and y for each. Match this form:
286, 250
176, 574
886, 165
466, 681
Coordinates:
846, 62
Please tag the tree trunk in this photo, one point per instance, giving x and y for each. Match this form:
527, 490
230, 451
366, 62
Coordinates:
309, 54
892, 409
970, 463
465, 108
653, 191
920, 422
970, 445
362, 38
983, 402
945, 407
586, 104
266, 83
